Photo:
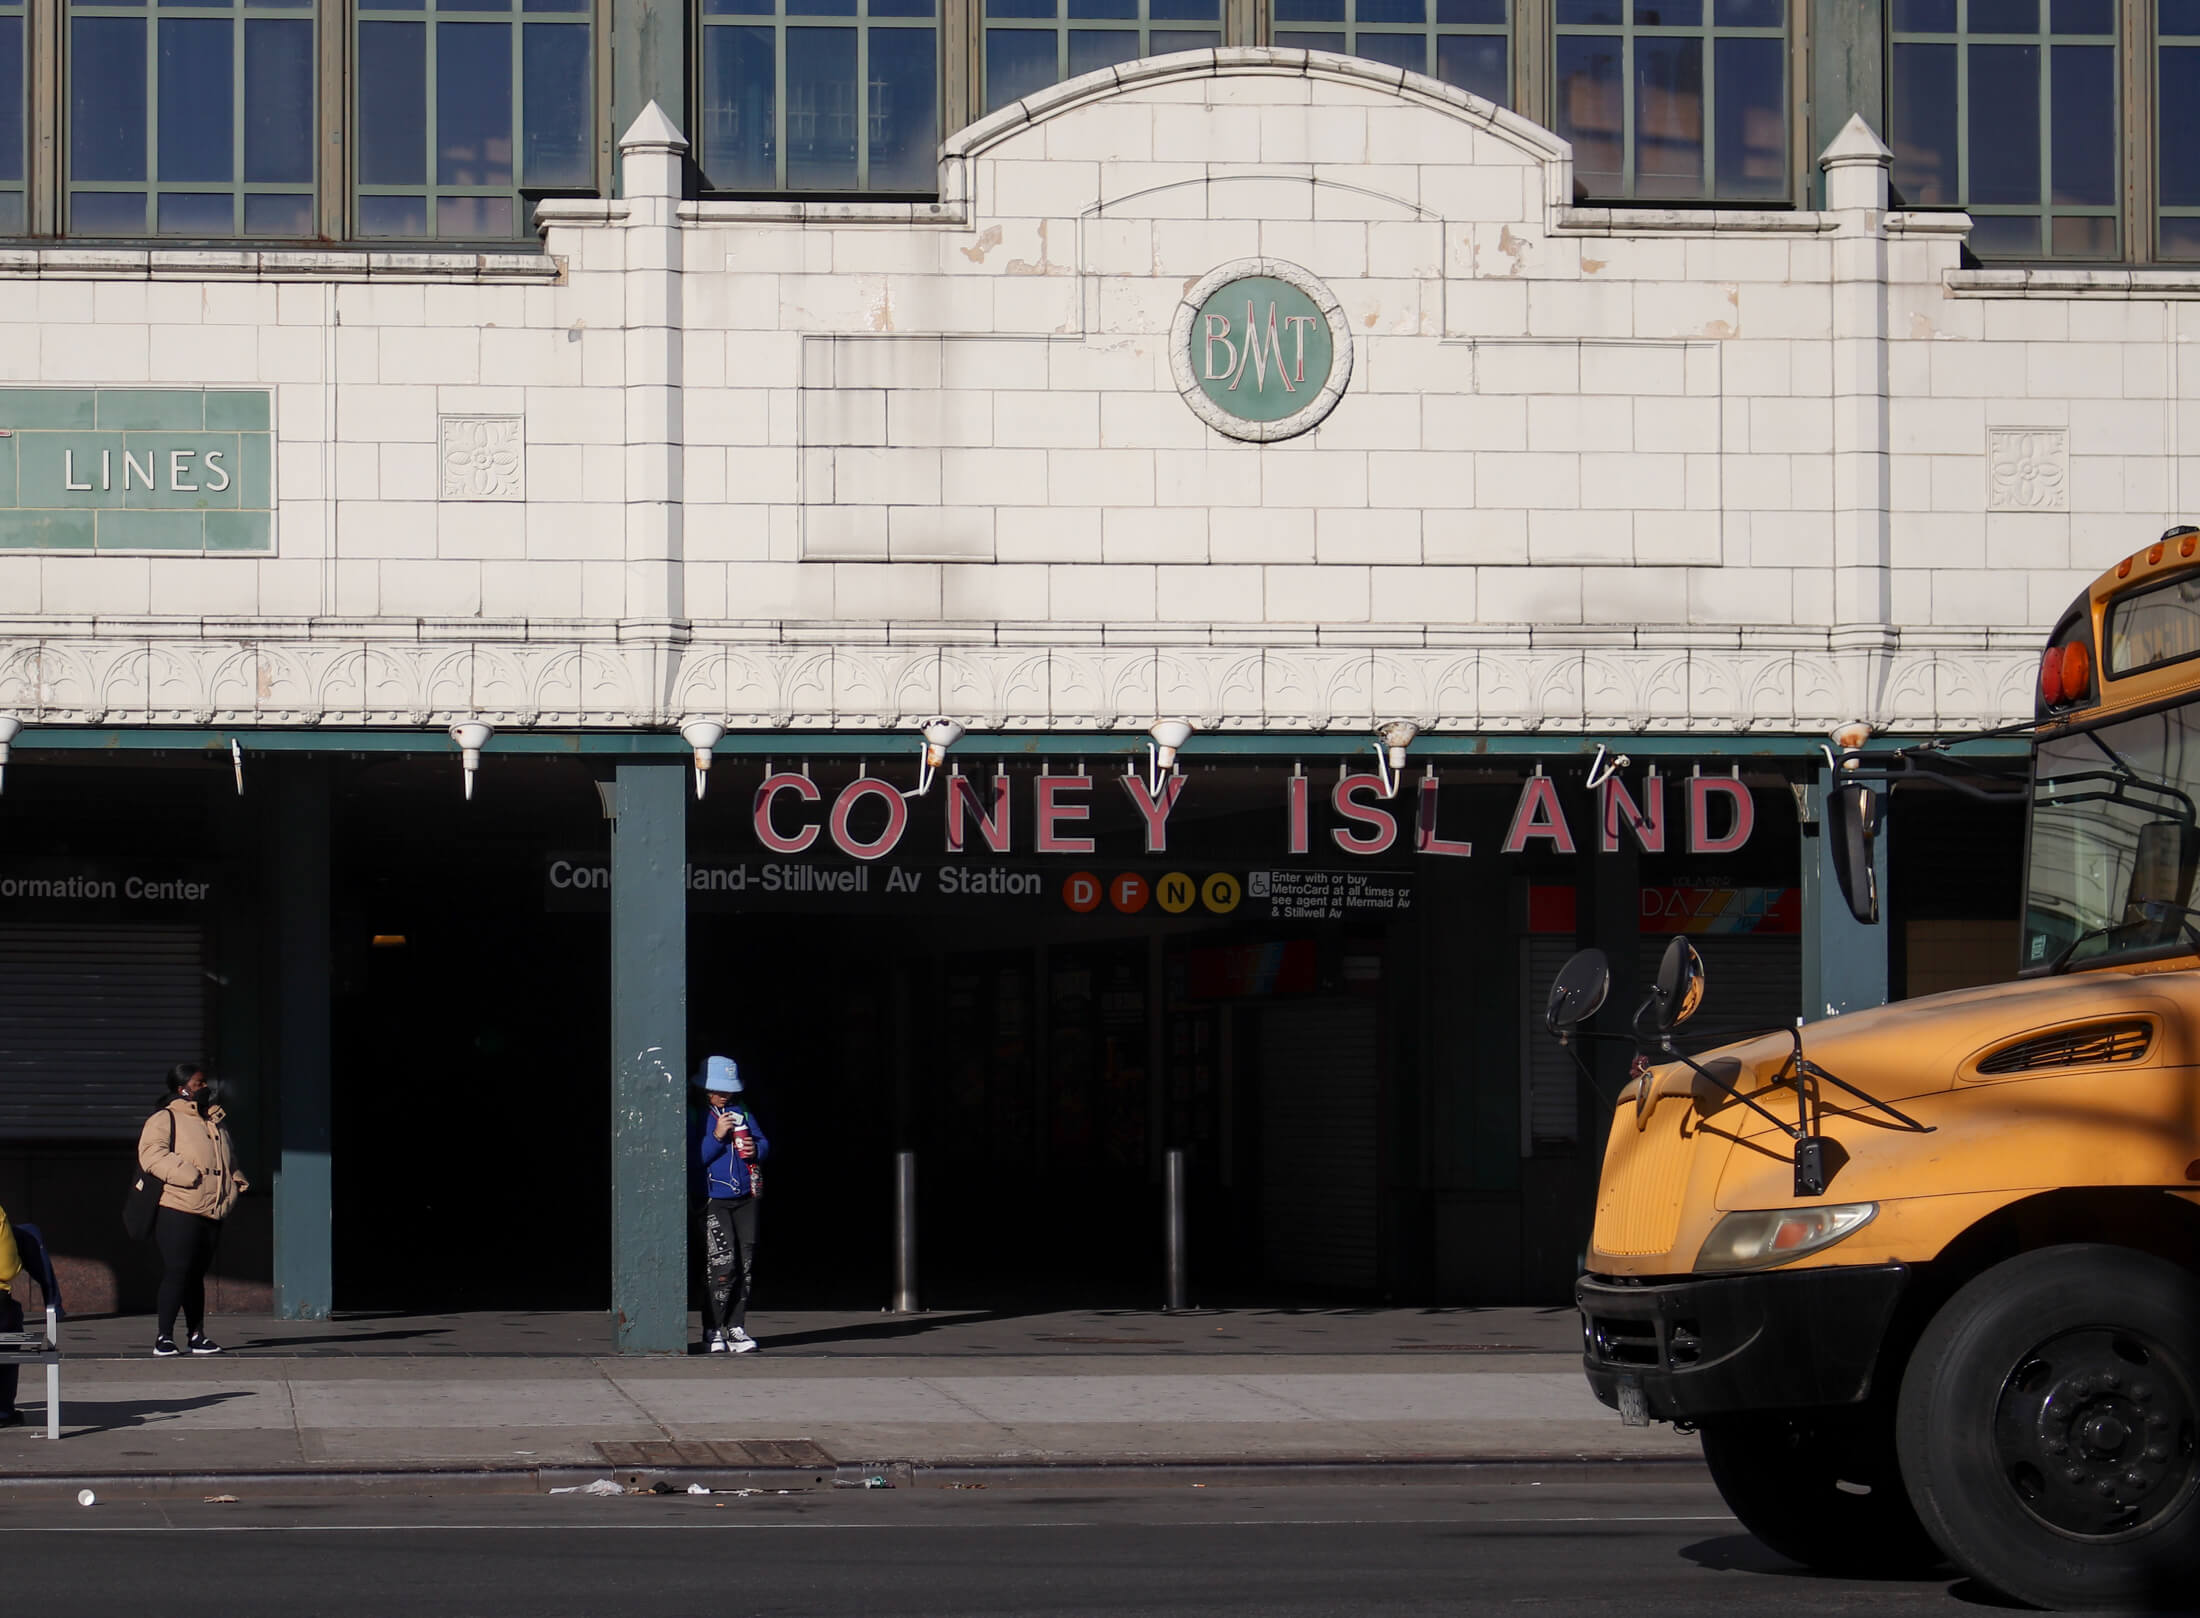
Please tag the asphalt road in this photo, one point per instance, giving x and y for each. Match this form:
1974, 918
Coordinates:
1631, 1545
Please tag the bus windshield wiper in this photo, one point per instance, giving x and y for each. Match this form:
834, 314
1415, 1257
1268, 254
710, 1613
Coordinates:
2061, 961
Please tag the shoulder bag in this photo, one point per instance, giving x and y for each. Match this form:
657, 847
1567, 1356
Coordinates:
143, 1201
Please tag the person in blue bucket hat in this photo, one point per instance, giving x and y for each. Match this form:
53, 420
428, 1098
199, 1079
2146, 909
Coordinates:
726, 1149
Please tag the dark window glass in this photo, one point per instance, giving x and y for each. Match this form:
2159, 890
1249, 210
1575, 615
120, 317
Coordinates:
1678, 101
740, 109
821, 109
2177, 129
278, 109
2008, 109
1017, 62
1925, 112
1751, 150
393, 103
473, 104
107, 85
557, 98
11, 116
789, 104
1475, 63
195, 125
2004, 124
465, 108
1592, 103
904, 111
196, 112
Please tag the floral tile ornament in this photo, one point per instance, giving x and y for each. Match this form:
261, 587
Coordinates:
482, 457
2027, 469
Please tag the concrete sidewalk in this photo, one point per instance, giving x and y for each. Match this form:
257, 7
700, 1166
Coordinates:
524, 1393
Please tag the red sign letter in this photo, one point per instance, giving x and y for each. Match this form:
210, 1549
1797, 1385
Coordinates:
897, 817
802, 787
1156, 813
1053, 813
1538, 815
1616, 807
1700, 840
1381, 823
962, 794
1295, 801
1424, 830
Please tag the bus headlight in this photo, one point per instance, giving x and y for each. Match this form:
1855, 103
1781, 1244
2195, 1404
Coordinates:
1759, 1238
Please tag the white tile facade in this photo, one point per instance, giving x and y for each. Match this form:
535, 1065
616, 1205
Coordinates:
850, 464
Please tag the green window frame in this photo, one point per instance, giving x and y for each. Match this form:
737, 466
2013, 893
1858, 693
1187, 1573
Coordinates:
190, 120
830, 97
1674, 100
1465, 43
15, 87
2177, 130
466, 112
1030, 44
2013, 111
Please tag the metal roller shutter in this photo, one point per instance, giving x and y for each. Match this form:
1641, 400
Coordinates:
1752, 980
1550, 1100
91, 1016
1320, 1086
1755, 981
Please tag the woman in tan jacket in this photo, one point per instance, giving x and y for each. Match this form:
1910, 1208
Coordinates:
185, 1145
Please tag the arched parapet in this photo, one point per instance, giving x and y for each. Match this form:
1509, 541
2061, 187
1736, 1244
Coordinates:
1035, 126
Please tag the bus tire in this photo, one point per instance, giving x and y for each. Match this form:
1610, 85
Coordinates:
2049, 1428
1821, 1487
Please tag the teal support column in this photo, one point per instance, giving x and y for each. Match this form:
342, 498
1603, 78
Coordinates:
304, 1268
648, 63
1848, 57
1844, 962
649, 1060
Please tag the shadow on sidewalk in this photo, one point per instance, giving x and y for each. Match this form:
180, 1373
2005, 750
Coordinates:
326, 1340
85, 1416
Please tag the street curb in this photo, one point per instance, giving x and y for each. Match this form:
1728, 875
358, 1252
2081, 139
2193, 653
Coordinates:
420, 1481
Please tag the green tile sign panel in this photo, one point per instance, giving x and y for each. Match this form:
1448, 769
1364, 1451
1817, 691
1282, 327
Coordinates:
137, 469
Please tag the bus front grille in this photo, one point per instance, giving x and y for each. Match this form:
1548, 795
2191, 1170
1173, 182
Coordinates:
1645, 1176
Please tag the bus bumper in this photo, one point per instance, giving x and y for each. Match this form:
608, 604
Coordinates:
1710, 1346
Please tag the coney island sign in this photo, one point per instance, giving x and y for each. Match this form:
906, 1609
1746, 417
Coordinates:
1260, 349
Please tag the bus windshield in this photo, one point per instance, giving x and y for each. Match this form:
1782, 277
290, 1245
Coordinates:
2114, 842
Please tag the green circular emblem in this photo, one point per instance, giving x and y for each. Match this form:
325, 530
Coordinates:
1261, 348
1262, 351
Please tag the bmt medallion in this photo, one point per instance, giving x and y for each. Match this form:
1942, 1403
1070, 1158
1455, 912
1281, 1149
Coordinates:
1260, 350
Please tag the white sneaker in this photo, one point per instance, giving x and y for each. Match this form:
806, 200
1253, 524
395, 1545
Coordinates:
740, 1342
714, 1342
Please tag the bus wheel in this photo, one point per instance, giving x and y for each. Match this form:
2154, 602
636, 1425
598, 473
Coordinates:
1821, 1487
2049, 1428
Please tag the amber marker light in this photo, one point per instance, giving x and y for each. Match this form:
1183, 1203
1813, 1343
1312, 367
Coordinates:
2123, 568
2154, 553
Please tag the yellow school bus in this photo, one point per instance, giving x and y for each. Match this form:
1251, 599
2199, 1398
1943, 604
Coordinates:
1926, 1279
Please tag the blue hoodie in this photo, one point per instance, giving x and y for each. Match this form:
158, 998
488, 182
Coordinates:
725, 1174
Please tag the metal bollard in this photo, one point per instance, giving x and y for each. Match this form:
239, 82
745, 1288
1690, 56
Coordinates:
905, 1233
1178, 1284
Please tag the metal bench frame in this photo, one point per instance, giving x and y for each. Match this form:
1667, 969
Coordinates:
44, 1348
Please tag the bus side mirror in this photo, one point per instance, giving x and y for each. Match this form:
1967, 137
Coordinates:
1577, 992
1680, 985
1851, 823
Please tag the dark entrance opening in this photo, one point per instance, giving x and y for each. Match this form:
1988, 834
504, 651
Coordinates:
1041, 1028
471, 1034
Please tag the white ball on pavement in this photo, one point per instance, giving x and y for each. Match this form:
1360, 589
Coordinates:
85, 1497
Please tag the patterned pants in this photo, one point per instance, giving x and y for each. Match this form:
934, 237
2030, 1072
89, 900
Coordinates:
729, 1259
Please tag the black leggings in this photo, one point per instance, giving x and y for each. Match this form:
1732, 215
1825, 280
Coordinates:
186, 1243
729, 1259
